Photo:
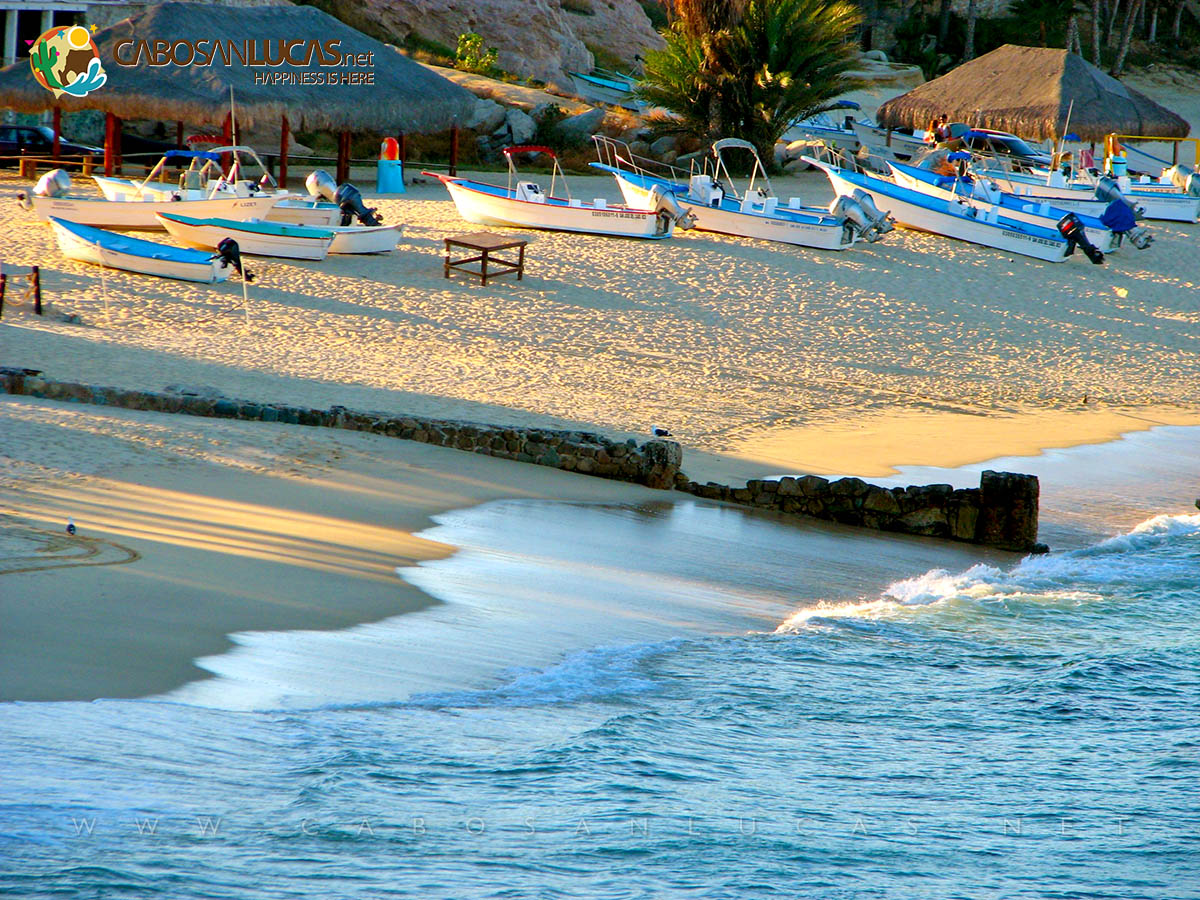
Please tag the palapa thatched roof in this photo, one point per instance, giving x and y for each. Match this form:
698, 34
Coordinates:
1028, 91
405, 96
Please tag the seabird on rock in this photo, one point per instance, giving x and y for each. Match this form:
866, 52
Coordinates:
659, 431
70, 525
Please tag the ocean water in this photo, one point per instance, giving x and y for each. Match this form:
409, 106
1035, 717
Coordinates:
642, 703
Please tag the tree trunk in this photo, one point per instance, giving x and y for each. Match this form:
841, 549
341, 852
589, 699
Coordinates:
1152, 37
1072, 34
1126, 38
943, 24
1096, 33
1112, 21
969, 48
1178, 22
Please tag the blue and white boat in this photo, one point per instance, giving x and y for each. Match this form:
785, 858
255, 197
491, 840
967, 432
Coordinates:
952, 219
603, 86
256, 238
523, 204
980, 193
824, 129
715, 204
120, 251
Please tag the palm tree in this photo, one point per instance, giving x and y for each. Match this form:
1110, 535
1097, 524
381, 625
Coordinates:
972, 14
751, 68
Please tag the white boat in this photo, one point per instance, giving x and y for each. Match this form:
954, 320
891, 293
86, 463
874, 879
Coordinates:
1168, 206
754, 214
523, 204
902, 146
255, 238
364, 238
121, 251
949, 218
603, 86
824, 129
205, 177
978, 192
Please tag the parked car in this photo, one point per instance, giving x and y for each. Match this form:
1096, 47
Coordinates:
1002, 145
37, 140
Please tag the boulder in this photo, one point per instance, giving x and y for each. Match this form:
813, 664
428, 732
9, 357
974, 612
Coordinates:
487, 116
580, 128
518, 126
618, 28
663, 145
1008, 511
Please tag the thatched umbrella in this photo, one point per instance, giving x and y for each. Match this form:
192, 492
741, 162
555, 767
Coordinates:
1028, 91
401, 95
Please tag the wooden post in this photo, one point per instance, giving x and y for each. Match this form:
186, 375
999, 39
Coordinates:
227, 140
36, 278
178, 135
283, 150
402, 140
343, 157
117, 144
88, 163
454, 148
3, 284
57, 151
110, 132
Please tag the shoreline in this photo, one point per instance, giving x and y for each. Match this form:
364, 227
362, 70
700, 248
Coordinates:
292, 517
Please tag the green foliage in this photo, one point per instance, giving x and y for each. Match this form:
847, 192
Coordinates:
751, 76
471, 57
432, 51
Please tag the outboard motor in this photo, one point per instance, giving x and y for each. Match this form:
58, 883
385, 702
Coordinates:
879, 219
1185, 179
55, 183
350, 200
1072, 229
669, 209
231, 255
855, 219
321, 184
1108, 191
1120, 220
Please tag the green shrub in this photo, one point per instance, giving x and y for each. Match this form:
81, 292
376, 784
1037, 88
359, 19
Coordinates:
471, 56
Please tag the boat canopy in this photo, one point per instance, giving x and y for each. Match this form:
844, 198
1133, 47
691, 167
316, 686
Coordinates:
733, 144
192, 154
529, 148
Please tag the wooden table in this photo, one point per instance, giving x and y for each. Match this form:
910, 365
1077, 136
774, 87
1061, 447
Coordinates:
485, 244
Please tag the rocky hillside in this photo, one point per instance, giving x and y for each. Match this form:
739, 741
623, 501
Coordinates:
540, 38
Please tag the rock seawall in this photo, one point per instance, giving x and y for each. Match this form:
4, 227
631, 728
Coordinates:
1002, 512
653, 463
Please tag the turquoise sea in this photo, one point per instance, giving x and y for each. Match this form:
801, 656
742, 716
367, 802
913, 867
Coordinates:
618, 702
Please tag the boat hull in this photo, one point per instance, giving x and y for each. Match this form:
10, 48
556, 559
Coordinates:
143, 215
206, 234
500, 211
301, 211
364, 239
922, 213
823, 236
600, 92
1155, 205
902, 145
1012, 207
80, 244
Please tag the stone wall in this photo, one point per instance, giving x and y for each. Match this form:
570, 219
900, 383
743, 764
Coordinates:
653, 463
1002, 512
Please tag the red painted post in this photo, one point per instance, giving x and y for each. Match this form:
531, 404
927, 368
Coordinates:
110, 132
178, 135
343, 159
120, 128
57, 151
283, 150
454, 148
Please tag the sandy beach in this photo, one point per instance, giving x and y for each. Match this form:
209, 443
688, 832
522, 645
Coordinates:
761, 359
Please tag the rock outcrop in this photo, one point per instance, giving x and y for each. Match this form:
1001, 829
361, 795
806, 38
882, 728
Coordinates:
535, 38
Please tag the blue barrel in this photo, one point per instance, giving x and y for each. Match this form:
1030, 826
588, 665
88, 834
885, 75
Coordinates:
389, 176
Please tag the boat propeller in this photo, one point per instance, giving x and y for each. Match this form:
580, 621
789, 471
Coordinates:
1072, 229
1120, 220
231, 255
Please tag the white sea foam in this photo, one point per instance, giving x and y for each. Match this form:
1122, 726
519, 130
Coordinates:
1071, 578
